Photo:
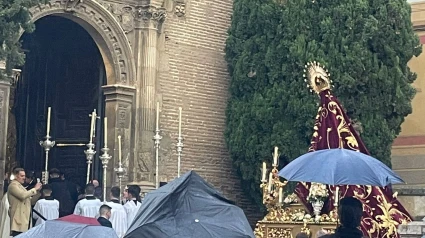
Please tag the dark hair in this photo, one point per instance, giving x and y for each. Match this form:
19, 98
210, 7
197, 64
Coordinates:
134, 190
302, 235
350, 212
46, 188
17, 170
89, 189
104, 209
54, 171
29, 174
115, 191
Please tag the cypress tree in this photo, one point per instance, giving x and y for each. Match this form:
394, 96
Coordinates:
365, 45
14, 17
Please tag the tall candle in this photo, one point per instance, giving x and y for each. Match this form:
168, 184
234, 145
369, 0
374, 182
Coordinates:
180, 121
157, 116
119, 149
263, 178
49, 110
270, 182
275, 156
93, 118
105, 126
336, 195
280, 195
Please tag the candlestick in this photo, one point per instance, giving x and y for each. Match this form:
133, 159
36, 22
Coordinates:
280, 195
157, 140
263, 178
157, 116
105, 157
270, 182
275, 156
90, 152
119, 149
47, 144
180, 121
120, 171
105, 126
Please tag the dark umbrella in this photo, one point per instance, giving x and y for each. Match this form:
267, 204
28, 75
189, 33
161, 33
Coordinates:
339, 167
189, 207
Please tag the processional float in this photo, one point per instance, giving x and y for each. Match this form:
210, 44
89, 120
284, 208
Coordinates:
291, 214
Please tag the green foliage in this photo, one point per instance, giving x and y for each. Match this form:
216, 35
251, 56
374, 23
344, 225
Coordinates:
14, 18
365, 45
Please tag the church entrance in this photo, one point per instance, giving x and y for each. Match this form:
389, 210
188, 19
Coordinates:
63, 70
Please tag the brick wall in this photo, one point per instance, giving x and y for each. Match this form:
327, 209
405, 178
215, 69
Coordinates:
193, 75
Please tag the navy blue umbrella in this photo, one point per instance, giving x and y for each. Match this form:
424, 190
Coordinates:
339, 167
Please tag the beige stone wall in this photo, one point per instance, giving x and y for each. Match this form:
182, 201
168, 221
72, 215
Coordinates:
414, 126
193, 75
408, 153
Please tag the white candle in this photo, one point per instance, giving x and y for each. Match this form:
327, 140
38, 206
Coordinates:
275, 156
119, 149
49, 109
93, 116
280, 195
263, 178
105, 126
336, 195
270, 182
157, 116
180, 121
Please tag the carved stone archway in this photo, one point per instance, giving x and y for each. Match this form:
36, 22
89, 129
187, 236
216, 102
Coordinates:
105, 31
119, 62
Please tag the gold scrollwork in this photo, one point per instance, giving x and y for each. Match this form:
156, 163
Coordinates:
279, 232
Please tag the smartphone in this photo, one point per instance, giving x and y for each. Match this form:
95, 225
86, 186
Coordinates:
38, 180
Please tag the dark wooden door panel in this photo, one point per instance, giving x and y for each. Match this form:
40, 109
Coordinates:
64, 70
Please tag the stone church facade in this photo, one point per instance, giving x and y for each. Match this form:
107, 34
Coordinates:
166, 51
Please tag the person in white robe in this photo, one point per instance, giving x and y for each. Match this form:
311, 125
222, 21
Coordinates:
88, 206
119, 214
4, 217
46, 207
133, 204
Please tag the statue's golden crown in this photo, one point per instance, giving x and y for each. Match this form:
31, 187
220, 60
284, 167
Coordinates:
316, 77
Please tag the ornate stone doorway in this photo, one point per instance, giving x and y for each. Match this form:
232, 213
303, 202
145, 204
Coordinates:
64, 70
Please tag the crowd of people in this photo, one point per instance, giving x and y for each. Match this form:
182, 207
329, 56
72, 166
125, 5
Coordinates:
30, 203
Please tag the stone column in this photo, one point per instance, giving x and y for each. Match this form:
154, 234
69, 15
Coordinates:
4, 115
119, 101
149, 20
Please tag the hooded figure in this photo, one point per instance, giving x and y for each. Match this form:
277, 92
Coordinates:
382, 212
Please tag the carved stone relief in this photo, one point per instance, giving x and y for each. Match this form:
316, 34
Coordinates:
123, 116
179, 8
110, 30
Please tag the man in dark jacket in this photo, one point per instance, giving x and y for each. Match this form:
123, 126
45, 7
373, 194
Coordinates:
104, 215
350, 214
63, 191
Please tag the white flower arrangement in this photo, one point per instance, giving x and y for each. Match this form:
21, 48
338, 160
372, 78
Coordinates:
318, 192
292, 198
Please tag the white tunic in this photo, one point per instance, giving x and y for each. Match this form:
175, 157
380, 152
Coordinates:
118, 218
131, 208
49, 209
88, 207
4, 217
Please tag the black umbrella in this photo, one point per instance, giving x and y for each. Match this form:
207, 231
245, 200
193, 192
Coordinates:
189, 207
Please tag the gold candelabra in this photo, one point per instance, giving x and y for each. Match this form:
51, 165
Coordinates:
272, 190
